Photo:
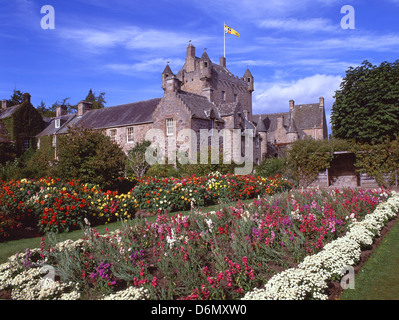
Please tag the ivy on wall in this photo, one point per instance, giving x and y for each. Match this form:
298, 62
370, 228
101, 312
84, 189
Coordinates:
24, 123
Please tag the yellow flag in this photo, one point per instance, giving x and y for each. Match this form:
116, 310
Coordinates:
229, 30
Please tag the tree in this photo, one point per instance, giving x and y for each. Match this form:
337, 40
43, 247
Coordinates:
64, 102
90, 156
44, 110
136, 158
366, 107
97, 101
16, 98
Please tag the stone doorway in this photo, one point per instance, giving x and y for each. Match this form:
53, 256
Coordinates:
342, 172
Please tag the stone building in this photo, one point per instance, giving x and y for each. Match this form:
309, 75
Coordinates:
201, 95
19, 126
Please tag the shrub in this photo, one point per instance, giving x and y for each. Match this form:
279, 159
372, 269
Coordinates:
90, 156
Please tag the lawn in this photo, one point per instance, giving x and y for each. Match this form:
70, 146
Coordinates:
378, 278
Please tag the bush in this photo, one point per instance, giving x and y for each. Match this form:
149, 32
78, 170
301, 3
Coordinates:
272, 166
90, 156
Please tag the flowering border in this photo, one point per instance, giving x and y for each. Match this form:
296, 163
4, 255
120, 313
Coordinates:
309, 280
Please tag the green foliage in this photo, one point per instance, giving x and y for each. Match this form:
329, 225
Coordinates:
16, 98
136, 159
45, 111
308, 157
7, 152
366, 107
379, 160
272, 166
162, 171
98, 102
200, 169
90, 156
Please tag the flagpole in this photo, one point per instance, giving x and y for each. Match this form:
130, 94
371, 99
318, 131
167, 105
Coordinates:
224, 36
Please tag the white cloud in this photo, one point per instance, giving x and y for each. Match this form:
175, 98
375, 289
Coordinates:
131, 37
292, 24
151, 65
272, 97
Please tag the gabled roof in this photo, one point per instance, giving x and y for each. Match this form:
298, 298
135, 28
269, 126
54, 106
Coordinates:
50, 125
122, 115
199, 106
260, 126
308, 115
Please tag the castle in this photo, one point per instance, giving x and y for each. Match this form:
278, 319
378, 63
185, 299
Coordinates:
201, 95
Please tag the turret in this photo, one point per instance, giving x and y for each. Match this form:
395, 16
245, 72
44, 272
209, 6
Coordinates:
248, 77
205, 67
166, 74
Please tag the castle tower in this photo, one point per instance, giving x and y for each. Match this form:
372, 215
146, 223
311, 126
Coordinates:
249, 79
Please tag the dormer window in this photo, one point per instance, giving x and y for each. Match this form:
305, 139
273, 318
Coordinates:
206, 64
57, 123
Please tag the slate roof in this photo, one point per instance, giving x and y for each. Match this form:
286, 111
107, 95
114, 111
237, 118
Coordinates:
199, 106
122, 115
308, 115
270, 123
227, 109
8, 111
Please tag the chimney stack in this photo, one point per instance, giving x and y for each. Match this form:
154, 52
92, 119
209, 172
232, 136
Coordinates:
321, 102
292, 104
223, 62
83, 107
4, 104
61, 111
26, 97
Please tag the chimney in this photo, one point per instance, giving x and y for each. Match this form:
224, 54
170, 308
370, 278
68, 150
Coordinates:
26, 97
83, 107
223, 62
280, 122
4, 104
321, 102
292, 104
61, 111
190, 58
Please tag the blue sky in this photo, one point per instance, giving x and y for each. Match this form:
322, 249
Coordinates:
295, 49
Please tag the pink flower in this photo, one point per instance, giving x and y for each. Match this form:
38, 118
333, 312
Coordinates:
154, 282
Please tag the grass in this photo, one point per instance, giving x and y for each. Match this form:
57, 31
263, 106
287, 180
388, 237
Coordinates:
378, 278
10, 248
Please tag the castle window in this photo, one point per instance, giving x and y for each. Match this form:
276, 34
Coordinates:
112, 134
206, 64
235, 97
57, 123
169, 127
223, 95
130, 136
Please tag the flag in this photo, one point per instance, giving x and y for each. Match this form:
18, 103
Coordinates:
229, 30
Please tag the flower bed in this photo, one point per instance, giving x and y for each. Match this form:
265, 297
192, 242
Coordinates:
53, 206
233, 253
